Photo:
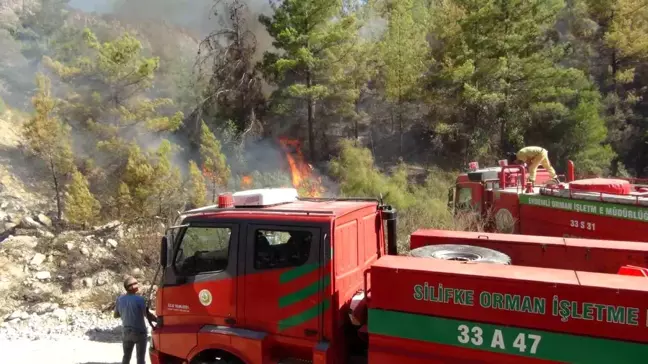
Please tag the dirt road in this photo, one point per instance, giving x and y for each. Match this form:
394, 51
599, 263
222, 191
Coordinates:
72, 351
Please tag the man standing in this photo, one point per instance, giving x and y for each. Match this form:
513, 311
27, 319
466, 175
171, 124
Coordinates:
534, 157
131, 308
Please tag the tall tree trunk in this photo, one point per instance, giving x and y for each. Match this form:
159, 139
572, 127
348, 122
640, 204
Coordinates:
311, 116
401, 128
57, 190
356, 119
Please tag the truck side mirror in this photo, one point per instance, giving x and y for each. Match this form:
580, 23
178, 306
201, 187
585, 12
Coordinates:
163, 251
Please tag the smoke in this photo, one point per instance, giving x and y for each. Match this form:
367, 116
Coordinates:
177, 25
90, 6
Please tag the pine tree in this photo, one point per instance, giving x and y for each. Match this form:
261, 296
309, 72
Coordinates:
109, 104
124, 200
50, 139
307, 35
500, 84
139, 178
215, 165
197, 187
166, 181
81, 207
610, 43
404, 53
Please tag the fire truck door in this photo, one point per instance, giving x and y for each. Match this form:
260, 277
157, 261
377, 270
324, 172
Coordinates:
201, 279
283, 280
469, 196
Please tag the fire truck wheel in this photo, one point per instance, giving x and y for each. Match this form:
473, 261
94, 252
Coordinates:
216, 357
464, 253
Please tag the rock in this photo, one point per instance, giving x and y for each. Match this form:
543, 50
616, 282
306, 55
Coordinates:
87, 282
17, 316
50, 258
26, 232
45, 234
9, 226
29, 223
85, 251
44, 275
111, 243
116, 288
18, 242
37, 259
69, 246
136, 272
63, 263
60, 314
110, 225
3, 216
44, 220
120, 232
44, 307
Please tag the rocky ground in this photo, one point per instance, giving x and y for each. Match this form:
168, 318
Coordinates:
57, 285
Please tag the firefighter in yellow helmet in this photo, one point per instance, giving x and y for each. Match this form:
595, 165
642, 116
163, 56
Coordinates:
534, 157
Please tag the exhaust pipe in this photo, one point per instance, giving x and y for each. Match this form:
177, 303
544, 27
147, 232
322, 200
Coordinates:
390, 216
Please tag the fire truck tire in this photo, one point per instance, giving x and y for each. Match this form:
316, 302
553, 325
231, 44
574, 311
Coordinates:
465, 253
216, 357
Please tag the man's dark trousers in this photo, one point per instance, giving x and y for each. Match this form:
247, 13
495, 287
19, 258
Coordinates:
130, 339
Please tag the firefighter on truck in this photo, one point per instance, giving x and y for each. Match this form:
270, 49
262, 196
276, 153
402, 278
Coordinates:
534, 157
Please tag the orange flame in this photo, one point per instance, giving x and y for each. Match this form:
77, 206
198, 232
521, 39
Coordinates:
246, 181
300, 171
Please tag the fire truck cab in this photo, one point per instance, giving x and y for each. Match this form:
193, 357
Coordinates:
476, 189
266, 277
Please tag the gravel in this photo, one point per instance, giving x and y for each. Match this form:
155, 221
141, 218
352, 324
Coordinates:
65, 351
56, 335
52, 323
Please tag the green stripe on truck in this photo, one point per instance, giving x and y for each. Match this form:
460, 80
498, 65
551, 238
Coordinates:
304, 293
300, 318
505, 339
607, 209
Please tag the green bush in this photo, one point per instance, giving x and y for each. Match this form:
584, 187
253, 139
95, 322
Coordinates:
419, 205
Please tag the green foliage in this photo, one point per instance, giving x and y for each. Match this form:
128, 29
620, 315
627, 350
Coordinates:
150, 183
453, 80
404, 50
109, 81
419, 206
501, 80
310, 42
139, 178
197, 187
81, 207
49, 138
214, 162
167, 181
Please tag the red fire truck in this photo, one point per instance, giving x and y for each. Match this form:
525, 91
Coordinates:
266, 277
600, 208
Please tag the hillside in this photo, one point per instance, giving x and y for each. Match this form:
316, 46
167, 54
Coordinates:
115, 117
